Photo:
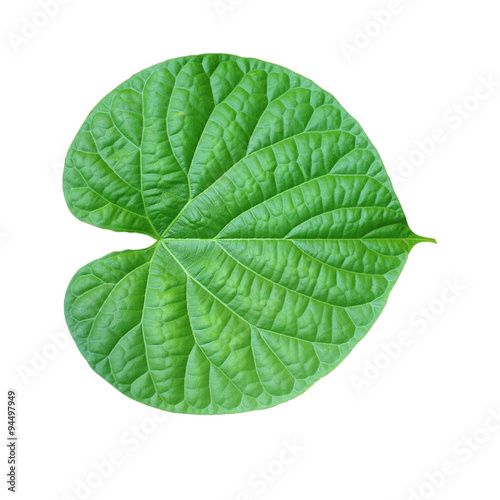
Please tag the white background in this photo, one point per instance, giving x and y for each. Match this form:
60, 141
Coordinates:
355, 438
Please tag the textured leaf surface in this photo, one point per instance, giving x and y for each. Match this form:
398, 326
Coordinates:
278, 235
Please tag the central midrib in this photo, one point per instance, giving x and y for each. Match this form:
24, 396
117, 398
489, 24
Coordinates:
419, 239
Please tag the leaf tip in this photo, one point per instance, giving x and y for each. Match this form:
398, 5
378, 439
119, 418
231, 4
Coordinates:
427, 240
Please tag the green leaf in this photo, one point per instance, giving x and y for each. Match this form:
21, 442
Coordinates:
278, 235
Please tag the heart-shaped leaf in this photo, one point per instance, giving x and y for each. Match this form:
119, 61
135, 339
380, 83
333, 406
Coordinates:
278, 235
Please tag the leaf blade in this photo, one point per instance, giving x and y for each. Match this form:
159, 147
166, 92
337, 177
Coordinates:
279, 235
